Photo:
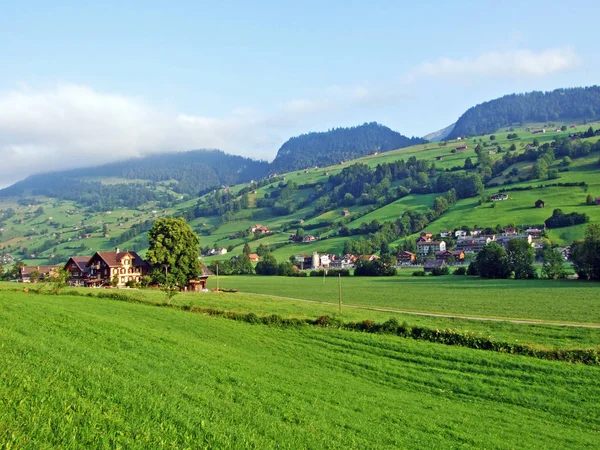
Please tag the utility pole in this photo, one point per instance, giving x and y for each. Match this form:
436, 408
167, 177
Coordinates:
340, 291
217, 264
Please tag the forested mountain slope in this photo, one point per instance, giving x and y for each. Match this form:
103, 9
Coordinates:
183, 173
516, 109
339, 144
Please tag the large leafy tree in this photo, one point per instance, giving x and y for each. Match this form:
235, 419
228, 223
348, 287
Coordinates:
173, 252
491, 262
519, 257
267, 266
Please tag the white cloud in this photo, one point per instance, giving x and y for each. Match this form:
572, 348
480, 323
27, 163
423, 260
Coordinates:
514, 63
72, 126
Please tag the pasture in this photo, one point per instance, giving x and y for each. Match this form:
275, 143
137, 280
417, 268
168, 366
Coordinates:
83, 372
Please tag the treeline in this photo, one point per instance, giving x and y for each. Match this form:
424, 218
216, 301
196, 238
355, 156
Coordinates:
339, 144
91, 194
561, 104
559, 219
133, 232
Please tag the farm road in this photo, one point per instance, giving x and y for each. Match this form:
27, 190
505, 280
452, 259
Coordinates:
429, 314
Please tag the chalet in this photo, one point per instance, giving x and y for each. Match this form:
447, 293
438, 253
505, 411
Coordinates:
510, 231
426, 236
475, 233
406, 258
258, 229
424, 247
472, 244
79, 272
458, 255
198, 285
303, 261
308, 238
254, 257
540, 204
123, 267
43, 272
434, 264
565, 252
345, 213
462, 148
498, 197
460, 233
445, 233
538, 131
217, 251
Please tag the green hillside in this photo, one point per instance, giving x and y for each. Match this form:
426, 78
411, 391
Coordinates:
395, 186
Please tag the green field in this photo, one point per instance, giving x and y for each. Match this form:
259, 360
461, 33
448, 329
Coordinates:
82, 372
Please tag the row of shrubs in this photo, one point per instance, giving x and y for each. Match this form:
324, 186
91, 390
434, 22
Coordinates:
439, 271
330, 273
392, 326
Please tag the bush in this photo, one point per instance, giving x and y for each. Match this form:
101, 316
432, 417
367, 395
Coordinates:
472, 269
440, 271
460, 271
418, 273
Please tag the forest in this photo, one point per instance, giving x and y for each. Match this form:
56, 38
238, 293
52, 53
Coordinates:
339, 144
515, 109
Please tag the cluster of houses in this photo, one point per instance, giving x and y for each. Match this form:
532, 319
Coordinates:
114, 268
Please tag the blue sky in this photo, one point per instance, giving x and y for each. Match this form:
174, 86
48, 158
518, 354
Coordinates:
89, 83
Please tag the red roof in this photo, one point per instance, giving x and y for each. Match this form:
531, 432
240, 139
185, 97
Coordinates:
113, 259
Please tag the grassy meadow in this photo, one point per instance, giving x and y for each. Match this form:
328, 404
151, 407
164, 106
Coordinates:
80, 372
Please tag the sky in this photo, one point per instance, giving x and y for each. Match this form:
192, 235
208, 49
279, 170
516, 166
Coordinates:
84, 83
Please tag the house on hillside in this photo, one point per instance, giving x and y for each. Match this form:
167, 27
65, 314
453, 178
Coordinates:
498, 197
79, 272
343, 263
534, 232
406, 258
308, 238
426, 236
345, 213
121, 266
44, 272
540, 204
424, 248
462, 148
445, 233
510, 231
254, 257
258, 228
460, 233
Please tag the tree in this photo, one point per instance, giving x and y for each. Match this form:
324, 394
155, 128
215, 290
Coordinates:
512, 148
492, 137
173, 249
267, 265
262, 250
299, 235
468, 165
535, 142
585, 254
520, 256
243, 265
286, 269
15, 272
589, 200
246, 251
491, 262
553, 264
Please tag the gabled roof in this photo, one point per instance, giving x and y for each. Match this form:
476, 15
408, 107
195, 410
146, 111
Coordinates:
80, 261
113, 259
